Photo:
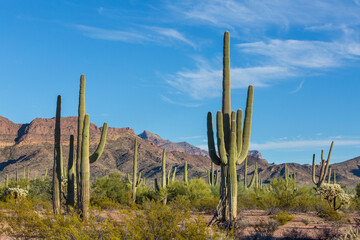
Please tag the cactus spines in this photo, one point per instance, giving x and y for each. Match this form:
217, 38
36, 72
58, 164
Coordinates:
136, 179
57, 160
85, 169
70, 200
186, 172
324, 169
233, 139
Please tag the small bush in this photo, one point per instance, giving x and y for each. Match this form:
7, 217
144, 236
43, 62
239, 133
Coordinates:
283, 217
296, 233
265, 228
305, 221
330, 215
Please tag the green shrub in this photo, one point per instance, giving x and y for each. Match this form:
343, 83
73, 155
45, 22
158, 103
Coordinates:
330, 214
305, 221
283, 217
112, 187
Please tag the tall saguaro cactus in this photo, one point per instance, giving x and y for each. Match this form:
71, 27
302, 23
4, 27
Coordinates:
85, 169
186, 172
324, 167
81, 123
233, 139
57, 159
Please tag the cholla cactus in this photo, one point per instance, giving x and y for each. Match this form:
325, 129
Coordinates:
16, 193
334, 195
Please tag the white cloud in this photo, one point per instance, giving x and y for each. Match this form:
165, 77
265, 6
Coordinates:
301, 144
140, 35
205, 81
304, 54
248, 13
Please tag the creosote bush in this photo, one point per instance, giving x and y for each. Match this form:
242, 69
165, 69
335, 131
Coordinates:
283, 217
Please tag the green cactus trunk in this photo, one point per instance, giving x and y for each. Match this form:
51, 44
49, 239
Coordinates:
163, 170
81, 117
186, 172
324, 169
233, 142
57, 160
134, 173
85, 169
96, 155
71, 184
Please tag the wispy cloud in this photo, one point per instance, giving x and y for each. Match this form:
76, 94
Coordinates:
304, 54
300, 144
298, 87
140, 35
247, 14
205, 81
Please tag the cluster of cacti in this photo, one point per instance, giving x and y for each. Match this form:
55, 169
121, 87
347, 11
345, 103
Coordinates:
324, 167
136, 179
165, 178
233, 139
78, 173
288, 176
213, 176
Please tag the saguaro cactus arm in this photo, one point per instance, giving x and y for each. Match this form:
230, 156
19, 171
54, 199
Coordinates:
246, 133
211, 143
221, 138
99, 150
85, 169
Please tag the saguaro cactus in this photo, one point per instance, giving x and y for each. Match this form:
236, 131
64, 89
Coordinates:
254, 178
85, 169
71, 181
233, 139
186, 172
81, 117
57, 160
213, 175
324, 167
136, 179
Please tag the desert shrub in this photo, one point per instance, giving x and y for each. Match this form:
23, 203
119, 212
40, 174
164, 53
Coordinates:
265, 229
40, 189
159, 221
283, 217
334, 195
197, 192
112, 187
305, 221
296, 233
330, 214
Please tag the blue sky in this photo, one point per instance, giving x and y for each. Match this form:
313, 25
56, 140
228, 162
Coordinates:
157, 65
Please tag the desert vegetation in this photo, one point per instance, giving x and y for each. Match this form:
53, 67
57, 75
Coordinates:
226, 205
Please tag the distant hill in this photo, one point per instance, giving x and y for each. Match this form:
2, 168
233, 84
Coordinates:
31, 145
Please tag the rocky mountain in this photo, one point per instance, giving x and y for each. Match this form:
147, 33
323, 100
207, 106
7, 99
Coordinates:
31, 146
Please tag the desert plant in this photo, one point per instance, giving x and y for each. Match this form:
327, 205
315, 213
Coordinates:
283, 217
233, 140
58, 165
213, 175
324, 167
334, 195
136, 179
92, 158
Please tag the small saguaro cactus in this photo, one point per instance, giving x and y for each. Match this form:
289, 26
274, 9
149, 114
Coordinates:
233, 140
254, 178
329, 177
57, 167
136, 181
186, 172
324, 167
81, 118
71, 175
